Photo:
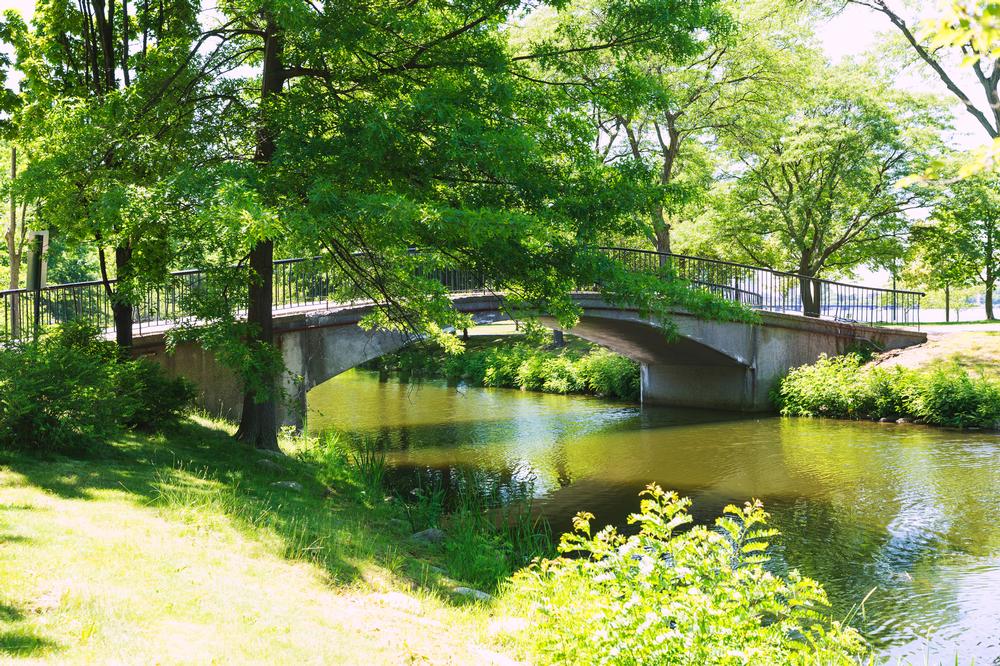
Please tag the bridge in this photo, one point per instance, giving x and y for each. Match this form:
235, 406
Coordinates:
712, 364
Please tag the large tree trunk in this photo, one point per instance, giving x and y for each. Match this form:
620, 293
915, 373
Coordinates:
989, 302
121, 307
258, 422
810, 289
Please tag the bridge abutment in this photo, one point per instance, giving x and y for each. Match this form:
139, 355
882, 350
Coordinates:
706, 386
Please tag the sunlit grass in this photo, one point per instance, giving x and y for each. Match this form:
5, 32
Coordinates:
180, 550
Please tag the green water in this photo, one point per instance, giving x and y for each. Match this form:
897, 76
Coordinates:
909, 510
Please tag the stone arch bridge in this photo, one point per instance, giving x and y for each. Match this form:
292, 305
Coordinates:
711, 364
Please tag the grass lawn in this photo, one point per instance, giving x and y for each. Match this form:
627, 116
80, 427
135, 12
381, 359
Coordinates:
976, 351
179, 549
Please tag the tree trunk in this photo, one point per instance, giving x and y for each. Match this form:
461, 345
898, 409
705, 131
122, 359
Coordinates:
14, 255
810, 290
662, 234
121, 307
991, 277
558, 339
258, 422
947, 303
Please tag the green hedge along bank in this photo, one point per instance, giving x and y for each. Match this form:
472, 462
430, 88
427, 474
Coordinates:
944, 394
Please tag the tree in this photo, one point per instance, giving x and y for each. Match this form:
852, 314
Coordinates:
963, 34
663, 108
106, 105
959, 245
379, 128
16, 239
814, 186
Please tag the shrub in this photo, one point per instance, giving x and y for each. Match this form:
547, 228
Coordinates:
949, 396
609, 375
53, 397
671, 596
147, 398
70, 390
845, 387
522, 365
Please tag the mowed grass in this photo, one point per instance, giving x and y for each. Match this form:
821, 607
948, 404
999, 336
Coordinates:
179, 549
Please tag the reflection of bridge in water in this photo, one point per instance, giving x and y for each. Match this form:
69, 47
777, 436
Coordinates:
711, 364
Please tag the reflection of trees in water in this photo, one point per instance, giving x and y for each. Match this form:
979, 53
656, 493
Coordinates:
487, 488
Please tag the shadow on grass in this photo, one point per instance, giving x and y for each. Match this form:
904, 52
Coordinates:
24, 643
202, 470
21, 642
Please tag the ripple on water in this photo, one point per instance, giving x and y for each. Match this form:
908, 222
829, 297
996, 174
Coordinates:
911, 511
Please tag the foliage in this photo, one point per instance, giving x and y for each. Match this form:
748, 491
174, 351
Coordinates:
959, 245
486, 544
815, 185
961, 34
844, 387
70, 391
696, 595
522, 365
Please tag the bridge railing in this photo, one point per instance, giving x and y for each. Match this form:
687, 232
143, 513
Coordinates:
778, 291
300, 283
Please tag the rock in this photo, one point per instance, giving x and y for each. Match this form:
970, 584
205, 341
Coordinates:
271, 453
904, 420
399, 523
430, 535
269, 465
478, 595
885, 420
438, 570
288, 485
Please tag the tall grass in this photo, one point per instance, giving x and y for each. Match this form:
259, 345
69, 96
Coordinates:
488, 538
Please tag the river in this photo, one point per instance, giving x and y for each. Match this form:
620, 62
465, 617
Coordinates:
911, 511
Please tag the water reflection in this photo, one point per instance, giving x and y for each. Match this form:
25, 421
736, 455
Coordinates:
912, 511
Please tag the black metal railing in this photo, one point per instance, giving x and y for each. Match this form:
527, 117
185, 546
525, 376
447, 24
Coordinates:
778, 291
301, 283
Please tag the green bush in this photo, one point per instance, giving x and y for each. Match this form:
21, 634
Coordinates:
844, 387
609, 375
949, 396
522, 365
147, 398
675, 596
70, 390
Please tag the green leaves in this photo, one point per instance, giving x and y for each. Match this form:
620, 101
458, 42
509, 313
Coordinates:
679, 596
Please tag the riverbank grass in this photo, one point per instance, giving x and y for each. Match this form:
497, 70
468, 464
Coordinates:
189, 548
944, 393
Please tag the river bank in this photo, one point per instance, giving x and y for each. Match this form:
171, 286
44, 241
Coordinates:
951, 380
527, 360
187, 547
